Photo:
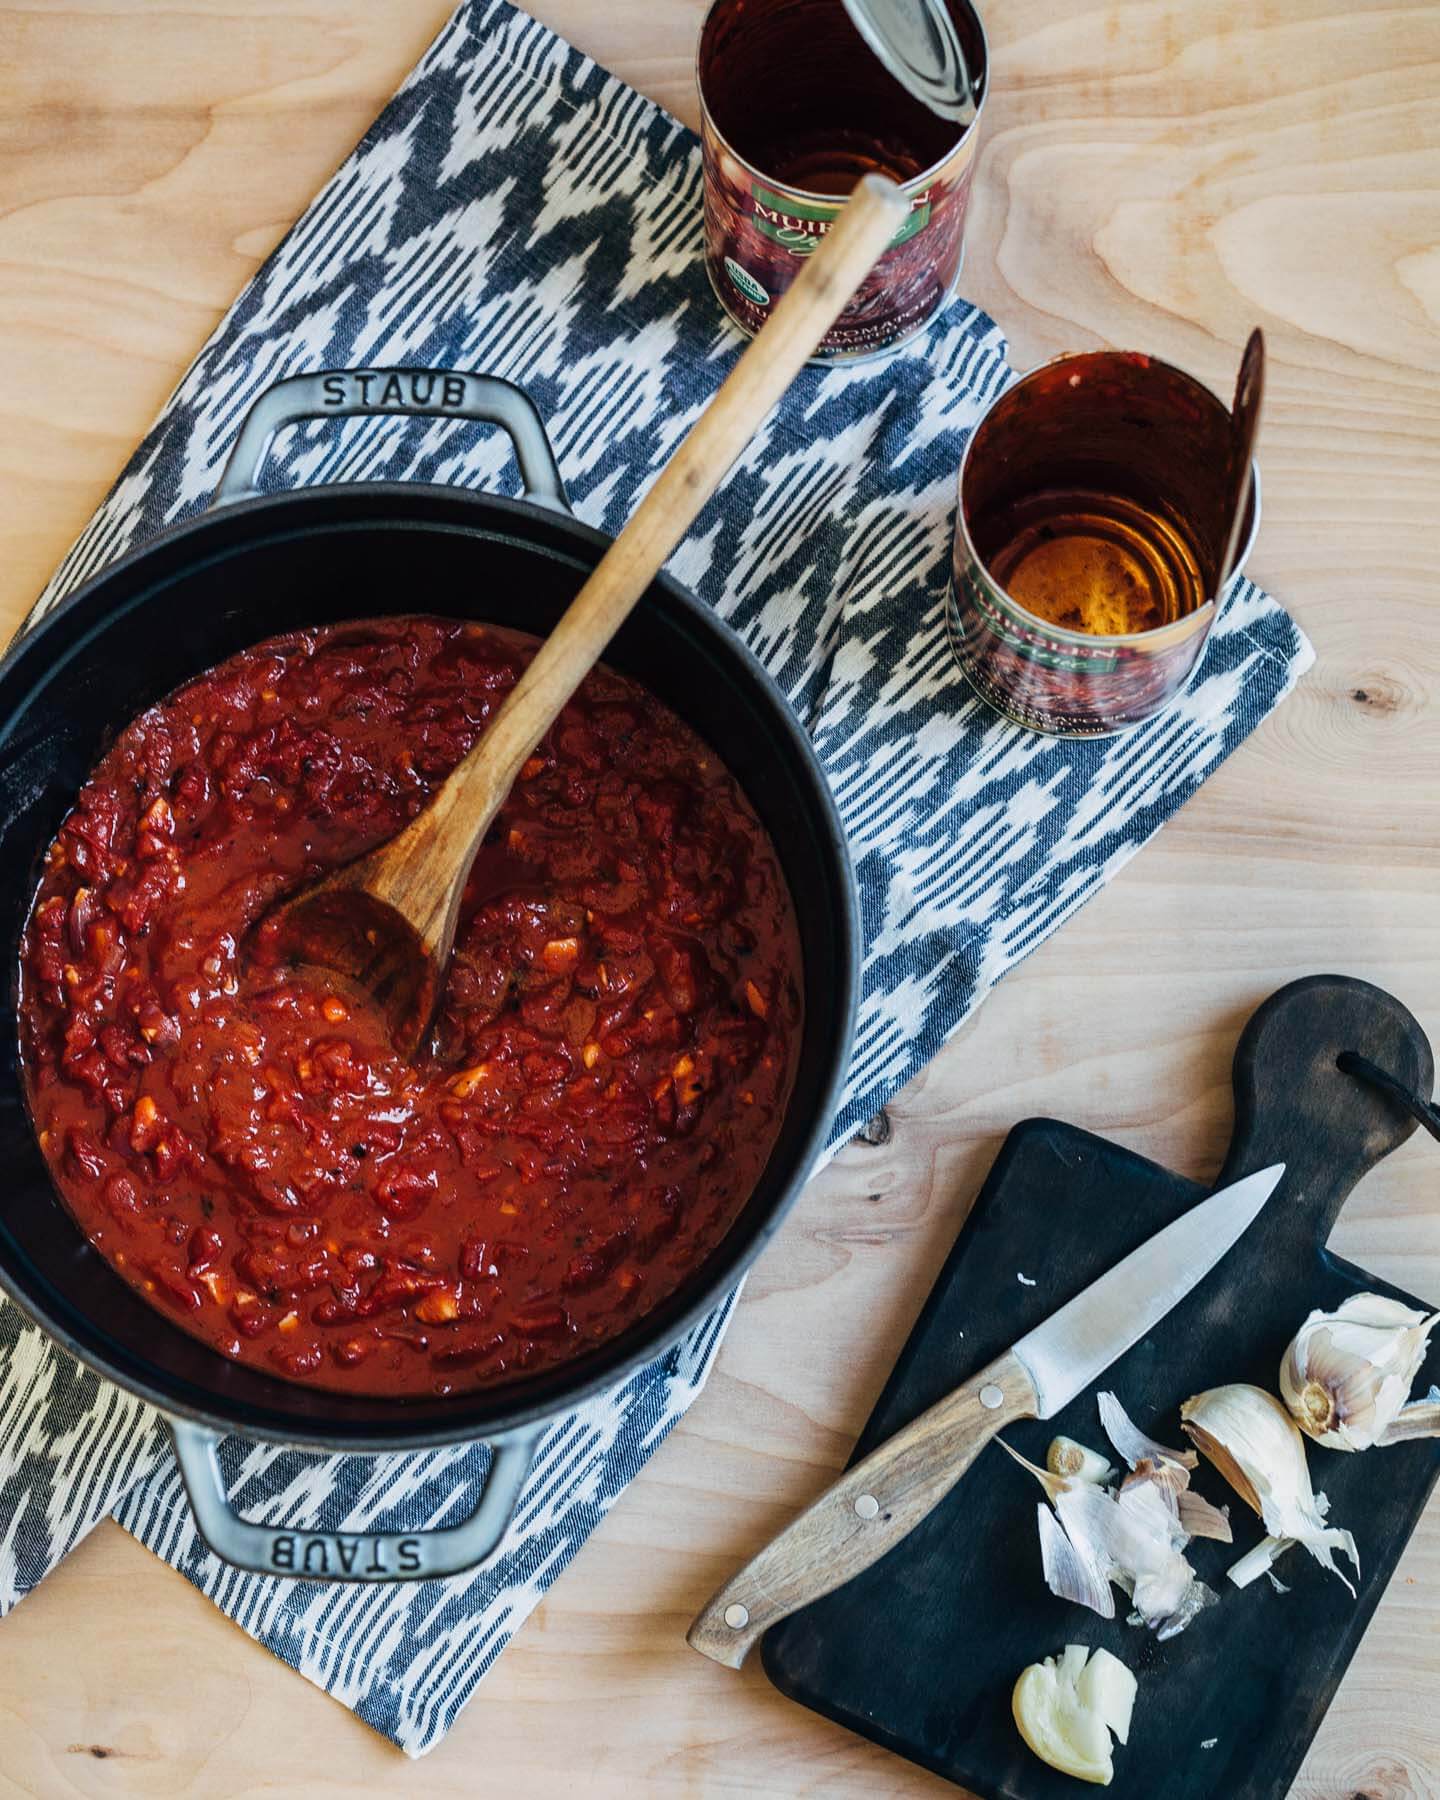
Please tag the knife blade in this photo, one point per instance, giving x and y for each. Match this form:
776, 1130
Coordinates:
1065, 1354
875, 1504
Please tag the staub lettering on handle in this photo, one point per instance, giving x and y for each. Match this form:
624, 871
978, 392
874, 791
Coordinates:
394, 393
348, 1555
295, 1553
426, 390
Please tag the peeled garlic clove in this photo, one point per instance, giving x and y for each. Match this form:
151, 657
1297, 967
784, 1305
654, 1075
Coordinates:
1072, 1661
1066, 1714
1348, 1373
1076, 1462
1107, 1688
1257, 1562
1257, 1447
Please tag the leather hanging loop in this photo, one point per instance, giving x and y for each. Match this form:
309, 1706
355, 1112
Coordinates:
1423, 1111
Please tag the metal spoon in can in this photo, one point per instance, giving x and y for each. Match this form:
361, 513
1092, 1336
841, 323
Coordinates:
1244, 424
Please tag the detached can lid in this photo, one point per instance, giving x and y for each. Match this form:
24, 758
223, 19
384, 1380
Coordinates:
918, 43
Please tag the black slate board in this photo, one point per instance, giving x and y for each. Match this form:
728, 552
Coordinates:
921, 1651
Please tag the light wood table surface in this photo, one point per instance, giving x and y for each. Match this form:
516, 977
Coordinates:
1158, 174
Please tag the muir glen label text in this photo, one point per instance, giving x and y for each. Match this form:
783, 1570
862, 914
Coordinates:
757, 235
795, 109
798, 225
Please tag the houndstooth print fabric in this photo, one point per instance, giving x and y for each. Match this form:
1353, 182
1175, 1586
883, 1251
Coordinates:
516, 209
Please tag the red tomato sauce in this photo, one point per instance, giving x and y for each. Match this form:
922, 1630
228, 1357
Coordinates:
610, 1062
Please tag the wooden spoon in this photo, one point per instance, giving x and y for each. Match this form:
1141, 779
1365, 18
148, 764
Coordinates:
386, 922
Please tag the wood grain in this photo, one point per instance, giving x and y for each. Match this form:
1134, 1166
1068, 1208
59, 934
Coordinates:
900, 1482
1160, 174
960, 1592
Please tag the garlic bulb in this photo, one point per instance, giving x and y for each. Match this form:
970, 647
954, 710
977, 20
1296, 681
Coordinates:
1348, 1372
1256, 1446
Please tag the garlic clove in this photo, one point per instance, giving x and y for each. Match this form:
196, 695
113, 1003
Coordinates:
1348, 1373
1077, 1462
1066, 1728
1107, 1688
1072, 1661
1131, 1442
1257, 1447
1257, 1562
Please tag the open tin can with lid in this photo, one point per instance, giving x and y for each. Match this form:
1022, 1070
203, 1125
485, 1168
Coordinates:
796, 106
1089, 541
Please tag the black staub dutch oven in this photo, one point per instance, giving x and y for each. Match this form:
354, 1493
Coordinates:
258, 564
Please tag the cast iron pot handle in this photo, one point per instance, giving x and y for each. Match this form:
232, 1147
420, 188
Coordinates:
413, 393
347, 1555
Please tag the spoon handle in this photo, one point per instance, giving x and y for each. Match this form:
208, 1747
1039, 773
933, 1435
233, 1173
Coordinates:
424, 868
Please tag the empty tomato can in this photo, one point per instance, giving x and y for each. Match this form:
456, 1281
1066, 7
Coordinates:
795, 108
1091, 529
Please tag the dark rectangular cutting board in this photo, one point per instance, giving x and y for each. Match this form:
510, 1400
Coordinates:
921, 1651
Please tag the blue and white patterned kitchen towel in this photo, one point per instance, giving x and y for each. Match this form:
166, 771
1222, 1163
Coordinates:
518, 210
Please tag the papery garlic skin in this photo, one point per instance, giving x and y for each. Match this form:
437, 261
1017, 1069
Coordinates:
1348, 1373
1202, 1520
1132, 1537
1131, 1442
1070, 1572
1257, 1447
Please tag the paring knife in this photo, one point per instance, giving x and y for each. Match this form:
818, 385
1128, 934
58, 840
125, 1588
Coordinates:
872, 1507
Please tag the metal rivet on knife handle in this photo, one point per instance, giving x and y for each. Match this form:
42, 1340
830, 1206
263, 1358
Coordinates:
845, 1530
850, 1526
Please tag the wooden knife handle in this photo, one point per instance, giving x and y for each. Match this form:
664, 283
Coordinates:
867, 1512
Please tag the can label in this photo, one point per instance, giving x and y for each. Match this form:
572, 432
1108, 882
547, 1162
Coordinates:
758, 233
1054, 683
798, 225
